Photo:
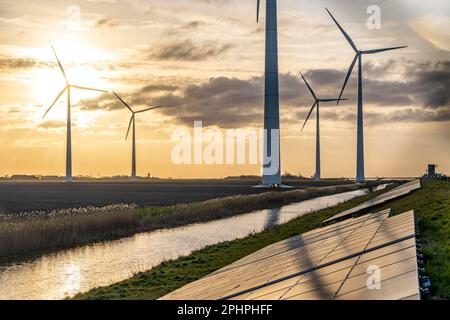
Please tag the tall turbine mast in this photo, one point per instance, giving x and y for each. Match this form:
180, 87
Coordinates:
360, 172
68, 88
272, 157
133, 123
316, 105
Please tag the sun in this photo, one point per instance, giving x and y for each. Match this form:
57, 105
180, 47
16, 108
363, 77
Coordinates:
79, 63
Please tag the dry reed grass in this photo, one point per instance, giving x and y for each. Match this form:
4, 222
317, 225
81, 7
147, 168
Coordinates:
29, 232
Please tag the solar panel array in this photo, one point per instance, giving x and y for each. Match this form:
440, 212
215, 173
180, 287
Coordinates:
402, 190
326, 263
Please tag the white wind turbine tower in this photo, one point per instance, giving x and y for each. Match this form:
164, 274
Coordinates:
271, 171
133, 122
360, 175
68, 88
317, 106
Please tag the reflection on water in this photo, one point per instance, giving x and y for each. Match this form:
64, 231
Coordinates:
72, 281
66, 273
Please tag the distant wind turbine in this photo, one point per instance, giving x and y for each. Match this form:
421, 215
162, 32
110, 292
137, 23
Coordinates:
133, 122
360, 175
316, 104
69, 120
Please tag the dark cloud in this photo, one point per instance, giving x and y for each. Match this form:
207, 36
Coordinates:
372, 118
417, 115
53, 124
192, 25
233, 102
105, 101
424, 84
181, 29
107, 22
8, 63
218, 3
188, 50
158, 88
434, 86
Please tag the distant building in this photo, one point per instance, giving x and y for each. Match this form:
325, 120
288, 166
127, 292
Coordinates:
431, 173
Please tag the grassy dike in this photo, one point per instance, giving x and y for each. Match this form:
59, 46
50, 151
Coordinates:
171, 275
432, 206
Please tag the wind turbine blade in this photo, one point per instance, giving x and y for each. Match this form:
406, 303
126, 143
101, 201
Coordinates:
309, 115
60, 65
145, 110
382, 50
349, 73
54, 102
309, 87
126, 104
86, 88
332, 100
350, 41
258, 3
129, 127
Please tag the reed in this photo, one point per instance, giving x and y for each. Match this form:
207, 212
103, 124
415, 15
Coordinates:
26, 233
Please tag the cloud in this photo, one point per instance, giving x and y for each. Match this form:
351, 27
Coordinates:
433, 29
158, 88
373, 118
187, 50
53, 124
232, 102
102, 1
222, 101
432, 86
422, 84
9, 63
105, 101
180, 30
192, 25
218, 3
107, 22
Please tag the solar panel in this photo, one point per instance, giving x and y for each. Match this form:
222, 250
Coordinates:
394, 193
325, 263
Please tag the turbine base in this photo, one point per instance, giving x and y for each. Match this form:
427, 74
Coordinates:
273, 186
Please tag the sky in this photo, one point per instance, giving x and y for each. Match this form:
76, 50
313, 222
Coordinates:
203, 60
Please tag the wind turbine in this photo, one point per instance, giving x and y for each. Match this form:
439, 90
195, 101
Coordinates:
69, 119
133, 122
272, 170
360, 176
316, 104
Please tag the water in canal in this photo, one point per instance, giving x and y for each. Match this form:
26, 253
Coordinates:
66, 273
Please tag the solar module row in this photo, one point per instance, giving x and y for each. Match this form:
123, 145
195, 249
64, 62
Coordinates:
400, 191
325, 263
